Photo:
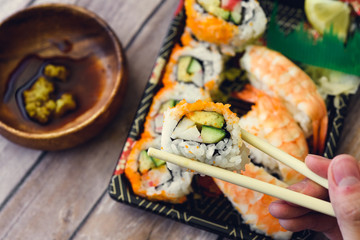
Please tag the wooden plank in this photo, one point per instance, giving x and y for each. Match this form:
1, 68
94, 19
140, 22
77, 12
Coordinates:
350, 140
112, 220
15, 161
121, 22
65, 185
9, 7
39, 2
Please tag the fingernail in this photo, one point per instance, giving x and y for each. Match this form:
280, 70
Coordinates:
300, 186
345, 171
313, 156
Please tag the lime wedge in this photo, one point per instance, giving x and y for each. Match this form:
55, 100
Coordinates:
324, 14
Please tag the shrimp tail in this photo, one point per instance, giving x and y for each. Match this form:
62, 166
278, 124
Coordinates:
248, 94
316, 133
323, 133
319, 134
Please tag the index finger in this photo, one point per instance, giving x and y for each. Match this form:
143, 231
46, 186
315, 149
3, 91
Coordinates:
318, 164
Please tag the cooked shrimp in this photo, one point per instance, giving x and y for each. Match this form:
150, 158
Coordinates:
270, 120
253, 206
275, 74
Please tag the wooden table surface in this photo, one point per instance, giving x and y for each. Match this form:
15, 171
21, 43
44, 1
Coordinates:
63, 195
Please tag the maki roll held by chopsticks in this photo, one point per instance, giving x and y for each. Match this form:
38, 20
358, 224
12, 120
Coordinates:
206, 131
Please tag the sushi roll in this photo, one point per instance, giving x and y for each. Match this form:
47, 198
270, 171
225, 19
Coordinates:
232, 23
253, 206
151, 179
199, 66
168, 97
206, 131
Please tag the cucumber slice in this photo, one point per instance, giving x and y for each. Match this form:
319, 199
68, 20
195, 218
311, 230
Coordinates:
235, 17
145, 162
219, 12
213, 119
212, 135
168, 104
194, 66
157, 162
182, 73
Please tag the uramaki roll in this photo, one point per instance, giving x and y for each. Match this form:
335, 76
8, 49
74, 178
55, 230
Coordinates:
225, 22
206, 131
151, 179
200, 66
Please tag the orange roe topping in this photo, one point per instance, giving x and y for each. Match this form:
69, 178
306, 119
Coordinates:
167, 79
207, 27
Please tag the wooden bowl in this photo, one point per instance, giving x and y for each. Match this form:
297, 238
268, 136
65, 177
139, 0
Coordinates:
58, 32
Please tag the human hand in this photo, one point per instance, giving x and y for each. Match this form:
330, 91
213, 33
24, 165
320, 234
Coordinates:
343, 174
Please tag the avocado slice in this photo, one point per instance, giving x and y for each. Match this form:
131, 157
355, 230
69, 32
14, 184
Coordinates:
208, 3
212, 135
145, 162
214, 7
182, 71
213, 119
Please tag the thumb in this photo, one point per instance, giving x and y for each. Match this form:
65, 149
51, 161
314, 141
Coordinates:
344, 192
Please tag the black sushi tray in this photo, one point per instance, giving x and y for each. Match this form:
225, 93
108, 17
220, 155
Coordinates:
207, 209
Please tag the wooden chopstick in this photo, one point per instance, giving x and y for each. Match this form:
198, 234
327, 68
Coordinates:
247, 182
283, 157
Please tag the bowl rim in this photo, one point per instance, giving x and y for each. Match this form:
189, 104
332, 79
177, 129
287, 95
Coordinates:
119, 78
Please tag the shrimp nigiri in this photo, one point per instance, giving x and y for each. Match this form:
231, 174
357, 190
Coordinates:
275, 74
270, 120
253, 206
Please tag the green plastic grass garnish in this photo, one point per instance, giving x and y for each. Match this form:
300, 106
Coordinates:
328, 51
